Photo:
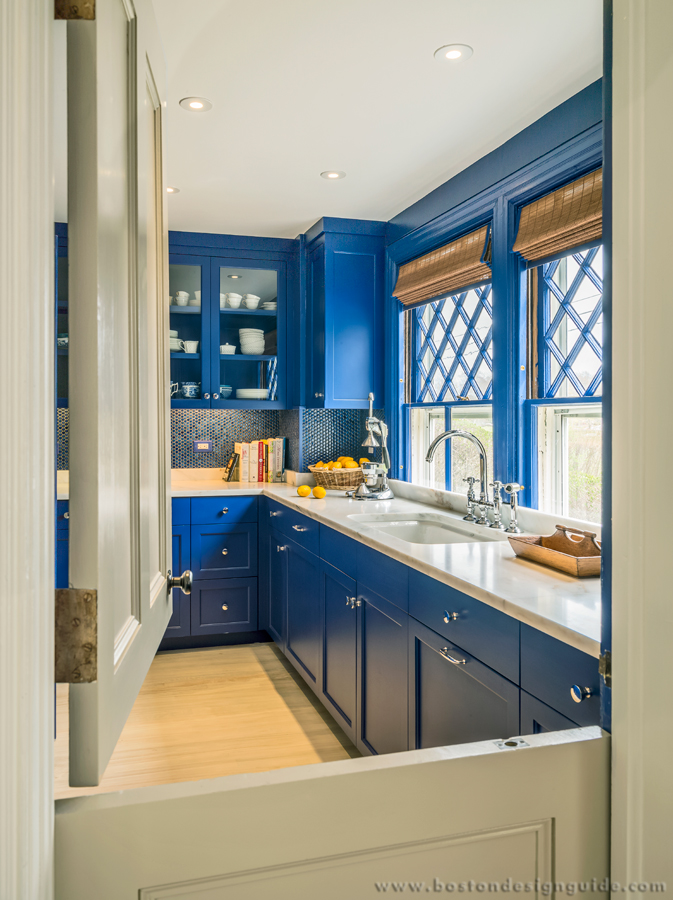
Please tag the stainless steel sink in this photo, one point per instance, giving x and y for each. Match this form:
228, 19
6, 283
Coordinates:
426, 528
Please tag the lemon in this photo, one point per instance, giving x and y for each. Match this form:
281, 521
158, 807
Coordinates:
319, 465
304, 490
319, 492
364, 459
338, 465
330, 465
351, 464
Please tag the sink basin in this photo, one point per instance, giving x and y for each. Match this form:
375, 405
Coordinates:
426, 528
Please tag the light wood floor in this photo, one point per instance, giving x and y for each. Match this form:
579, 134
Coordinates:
208, 713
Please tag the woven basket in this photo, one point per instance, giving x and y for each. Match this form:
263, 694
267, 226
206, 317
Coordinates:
337, 479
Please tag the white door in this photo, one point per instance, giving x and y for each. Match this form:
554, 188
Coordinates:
119, 426
467, 819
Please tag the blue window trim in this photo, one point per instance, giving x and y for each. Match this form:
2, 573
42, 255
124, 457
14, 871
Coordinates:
498, 204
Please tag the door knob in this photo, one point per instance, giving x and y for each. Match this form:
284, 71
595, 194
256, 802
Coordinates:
580, 693
216, 396
184, 582
450, 616
206, 396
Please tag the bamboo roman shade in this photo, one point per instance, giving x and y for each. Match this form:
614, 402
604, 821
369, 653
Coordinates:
447, 270
560, 221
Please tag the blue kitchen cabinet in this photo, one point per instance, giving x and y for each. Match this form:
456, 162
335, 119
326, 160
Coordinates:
338, 689
345, 269
276, 568
453, 698
304, 618
62, 543
537, 717
265, 267
179, 623
223, 606
381, 675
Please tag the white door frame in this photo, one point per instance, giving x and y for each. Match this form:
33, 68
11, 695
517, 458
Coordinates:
642, 609
26, 451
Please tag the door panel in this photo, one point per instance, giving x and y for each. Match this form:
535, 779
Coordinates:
382, 675
119, 424
459, 814
304, 619
339, 682
538, 718
224, 550
179, 625
455, 703
277, 587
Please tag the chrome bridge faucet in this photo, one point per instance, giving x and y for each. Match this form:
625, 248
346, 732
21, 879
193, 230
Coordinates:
483, 503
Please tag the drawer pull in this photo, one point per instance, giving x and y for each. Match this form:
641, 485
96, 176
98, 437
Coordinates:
66, 515
350, 601
300, 528
452, 659
450, 617
224, 552
225, 510
580, 693
274, 512
225, 607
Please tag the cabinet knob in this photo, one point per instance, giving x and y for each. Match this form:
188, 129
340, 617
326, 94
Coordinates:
452, 659
225, 510
358, 602
319, 395
351, 601
66, 515
225, 607
224, 552
580, 693
274, 512
279, 548
206, 396
450, 616
216, 396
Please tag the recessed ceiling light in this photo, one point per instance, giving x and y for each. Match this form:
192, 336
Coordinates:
236, 276
172, 190
333, 175
196, 104
453, 52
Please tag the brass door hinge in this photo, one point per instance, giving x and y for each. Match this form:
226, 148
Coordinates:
76, 658
605, 668
82, 9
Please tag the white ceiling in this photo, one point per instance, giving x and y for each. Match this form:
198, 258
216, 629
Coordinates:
301, 86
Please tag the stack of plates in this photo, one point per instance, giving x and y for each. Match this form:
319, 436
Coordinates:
270, 304
252, 393
252, 341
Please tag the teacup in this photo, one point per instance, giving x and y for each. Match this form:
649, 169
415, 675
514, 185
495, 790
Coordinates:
251, 303
233, 302
184, 294
225, 391
191, 346
62, 340
182, 301
177, 345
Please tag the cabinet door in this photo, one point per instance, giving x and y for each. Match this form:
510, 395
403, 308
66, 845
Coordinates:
220, 551
453, 698
382, 675
339, 683
179, 625
189, 276
304, 619
62, 548
277, 587
225, 606
248, 341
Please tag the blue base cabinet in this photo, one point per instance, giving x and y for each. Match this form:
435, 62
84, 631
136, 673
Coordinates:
382, 675
224, 606
338, 689
179, 624
304, 618
453, 698
276, 586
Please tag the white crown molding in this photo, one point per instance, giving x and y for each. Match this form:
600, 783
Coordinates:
26, 451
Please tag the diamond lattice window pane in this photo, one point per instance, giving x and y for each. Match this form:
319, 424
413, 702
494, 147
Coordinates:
572, 296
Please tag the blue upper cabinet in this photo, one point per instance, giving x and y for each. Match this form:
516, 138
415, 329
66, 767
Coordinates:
344, 268
231, 350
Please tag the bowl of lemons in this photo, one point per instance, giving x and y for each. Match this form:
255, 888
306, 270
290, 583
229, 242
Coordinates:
344, 473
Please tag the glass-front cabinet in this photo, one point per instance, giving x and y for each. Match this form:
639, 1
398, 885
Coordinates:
227, 338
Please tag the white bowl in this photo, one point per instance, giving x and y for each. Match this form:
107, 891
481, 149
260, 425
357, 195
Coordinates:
172, 334
181, 301
252, 393
250, 331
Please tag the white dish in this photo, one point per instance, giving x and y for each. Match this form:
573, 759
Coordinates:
250, 331
172, 333
181, 301
252, 393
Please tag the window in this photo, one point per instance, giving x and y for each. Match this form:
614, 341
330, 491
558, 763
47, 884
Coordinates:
452, 340
569, 436
569, 460
459, 456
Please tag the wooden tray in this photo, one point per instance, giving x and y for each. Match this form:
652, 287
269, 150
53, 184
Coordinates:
578, 556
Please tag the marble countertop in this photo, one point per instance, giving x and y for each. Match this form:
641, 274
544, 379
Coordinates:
564, 607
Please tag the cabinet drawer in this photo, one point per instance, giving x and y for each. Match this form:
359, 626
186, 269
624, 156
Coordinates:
339, 550
479, 629
220, 551
549, 668
305, 531
388, 577
180, 510
222, 510
62, 515
222, 607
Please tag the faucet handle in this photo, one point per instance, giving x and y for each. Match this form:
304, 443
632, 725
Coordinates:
471, 480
